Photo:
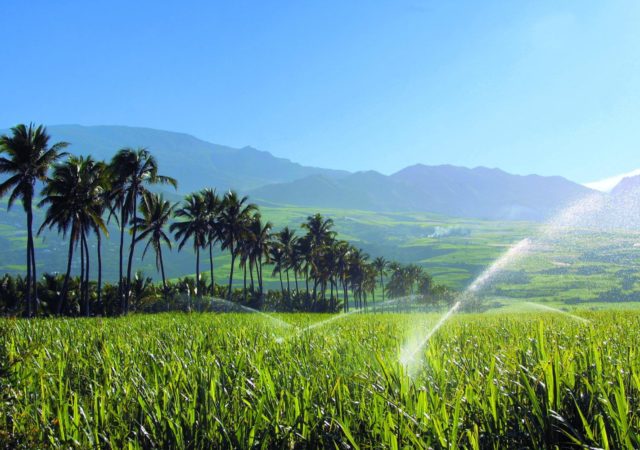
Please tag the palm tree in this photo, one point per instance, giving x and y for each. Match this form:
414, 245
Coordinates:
133, 171
318, 229
343, 256
156, 212
276, 257
287, 240
193, 224
380, 264
369, 283
319, 233
234, 216
213, 205
102, 202
302, 256
74, 199
244, 249
29, 159
116, 199
260, 234
357, 268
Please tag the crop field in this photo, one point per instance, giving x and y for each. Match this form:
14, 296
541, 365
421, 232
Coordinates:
493, 380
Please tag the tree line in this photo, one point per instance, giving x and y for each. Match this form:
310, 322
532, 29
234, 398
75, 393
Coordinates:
316, 271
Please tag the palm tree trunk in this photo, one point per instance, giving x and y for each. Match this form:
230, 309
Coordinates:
281, 284
164, 280
346, 295
244, 282
87, 306
382, 285
251, 274
132, 247
29, 257
233, 262
373, 299
198, 290
82, 275
288, 286
331, 301
315, 293
259, 272
295, 277
34, 277
213, 281
315, 289
99, 299
120, 287
65, 285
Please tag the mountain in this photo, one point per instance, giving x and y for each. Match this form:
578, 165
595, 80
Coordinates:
369, 191
455, 191
607, 184
627, 186
489, 193
194, 162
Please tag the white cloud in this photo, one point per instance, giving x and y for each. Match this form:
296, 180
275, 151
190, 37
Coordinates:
606, 184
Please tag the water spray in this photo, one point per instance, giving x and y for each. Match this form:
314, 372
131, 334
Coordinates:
556, 310
235, 306
593, 212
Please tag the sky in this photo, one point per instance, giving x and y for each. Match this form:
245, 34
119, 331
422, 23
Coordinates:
547, 87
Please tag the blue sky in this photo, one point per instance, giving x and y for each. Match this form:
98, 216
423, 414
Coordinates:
548, 87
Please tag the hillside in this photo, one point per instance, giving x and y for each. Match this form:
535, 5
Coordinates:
454, 191
194, 162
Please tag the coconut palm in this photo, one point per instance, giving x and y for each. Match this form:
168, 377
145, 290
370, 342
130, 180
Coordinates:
369, 282
234, 217
101, 203
381, 264
156, 213
302, 258
287, 239
276, 257
319, 233
343, 256
259, 245
318, 229
29, 157
213, 204
192, 224
134, 170
74, 198
357, 267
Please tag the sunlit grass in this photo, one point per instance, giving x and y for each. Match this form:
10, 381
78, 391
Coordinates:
531, 379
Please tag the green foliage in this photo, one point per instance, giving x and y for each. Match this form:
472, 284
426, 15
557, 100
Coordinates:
243, 381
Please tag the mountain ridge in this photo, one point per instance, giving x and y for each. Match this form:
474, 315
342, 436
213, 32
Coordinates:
451, 190
209, 165
479, 192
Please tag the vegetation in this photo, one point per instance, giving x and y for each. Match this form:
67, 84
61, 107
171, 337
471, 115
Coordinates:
293, 381
28, 160
244, 381
82, 195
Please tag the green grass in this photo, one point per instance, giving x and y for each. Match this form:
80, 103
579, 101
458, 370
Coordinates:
498, 380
